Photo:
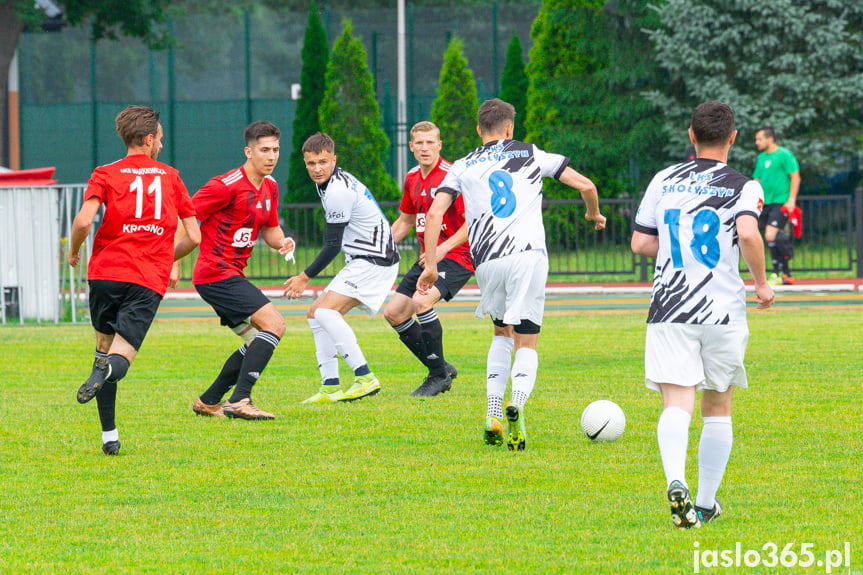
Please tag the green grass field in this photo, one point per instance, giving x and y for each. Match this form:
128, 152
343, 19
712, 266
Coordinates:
392, 484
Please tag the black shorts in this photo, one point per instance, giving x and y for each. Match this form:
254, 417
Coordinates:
233, 299
124, 308
451, 277
771, 215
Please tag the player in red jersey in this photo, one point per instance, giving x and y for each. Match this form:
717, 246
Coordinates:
425, 337
133, 251
234, 209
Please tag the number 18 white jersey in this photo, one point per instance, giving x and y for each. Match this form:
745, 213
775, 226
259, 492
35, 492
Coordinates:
693, 208
501, 183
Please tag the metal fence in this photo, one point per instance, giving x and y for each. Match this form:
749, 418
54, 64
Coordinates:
228, 70
38, 285
576, 252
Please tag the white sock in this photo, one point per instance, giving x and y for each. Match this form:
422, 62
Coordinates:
524, 374
325, 351
672, 432
497, 373
714, 449
112, 435
342, 335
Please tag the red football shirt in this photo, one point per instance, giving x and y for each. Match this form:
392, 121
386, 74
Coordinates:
418, 196
142, 199
231, 210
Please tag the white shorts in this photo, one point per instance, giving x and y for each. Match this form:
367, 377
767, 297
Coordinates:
703, 356
512, 288
366, 282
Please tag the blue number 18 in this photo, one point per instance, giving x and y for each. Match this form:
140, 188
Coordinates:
704, 245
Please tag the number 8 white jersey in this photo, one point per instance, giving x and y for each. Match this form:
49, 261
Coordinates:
693, 207
501, 183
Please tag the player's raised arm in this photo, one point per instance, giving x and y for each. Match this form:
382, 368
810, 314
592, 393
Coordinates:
588, 192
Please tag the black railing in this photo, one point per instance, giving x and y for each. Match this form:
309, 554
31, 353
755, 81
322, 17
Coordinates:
829, 241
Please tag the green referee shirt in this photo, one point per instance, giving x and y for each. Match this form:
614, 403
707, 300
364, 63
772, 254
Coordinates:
774, 171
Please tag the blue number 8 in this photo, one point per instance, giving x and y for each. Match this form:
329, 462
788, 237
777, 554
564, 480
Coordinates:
705, 246
502, 197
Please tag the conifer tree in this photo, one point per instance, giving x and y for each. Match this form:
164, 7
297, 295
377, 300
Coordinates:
350, 114
454, 110
312, 87
514, 83
589, 68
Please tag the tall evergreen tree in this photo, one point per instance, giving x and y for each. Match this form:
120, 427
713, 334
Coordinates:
588, 70
454, 110
306, 122
514, 84
350, 114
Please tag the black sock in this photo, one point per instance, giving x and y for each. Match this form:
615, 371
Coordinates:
106, 401
774, 256
432, 334
411, 334
226, 378
362, 370
257, 356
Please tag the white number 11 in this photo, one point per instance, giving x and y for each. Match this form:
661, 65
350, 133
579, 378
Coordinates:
137, 187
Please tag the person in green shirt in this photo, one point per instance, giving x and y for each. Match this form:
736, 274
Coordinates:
779, 174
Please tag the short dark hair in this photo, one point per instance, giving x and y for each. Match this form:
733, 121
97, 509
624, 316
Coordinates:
494, 115
712, 123
318, 143
258, 130
135, 123
768, 131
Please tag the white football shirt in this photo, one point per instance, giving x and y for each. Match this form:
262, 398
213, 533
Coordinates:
693, 207
367, 235
501, 183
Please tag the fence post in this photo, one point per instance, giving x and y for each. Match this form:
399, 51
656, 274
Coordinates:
858, 229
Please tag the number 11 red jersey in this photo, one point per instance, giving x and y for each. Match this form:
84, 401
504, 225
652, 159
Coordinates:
135, 243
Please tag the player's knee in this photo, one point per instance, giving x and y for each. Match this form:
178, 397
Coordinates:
424, 302
393, 315
268, 318
119, 366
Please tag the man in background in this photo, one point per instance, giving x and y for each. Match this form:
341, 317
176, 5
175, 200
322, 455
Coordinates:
779, 174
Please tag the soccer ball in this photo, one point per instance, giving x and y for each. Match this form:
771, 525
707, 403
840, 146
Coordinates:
603, 421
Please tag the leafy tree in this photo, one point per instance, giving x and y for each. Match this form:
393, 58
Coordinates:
588, 69
306, 121
454, 109
794, 64
514, 84
349, 113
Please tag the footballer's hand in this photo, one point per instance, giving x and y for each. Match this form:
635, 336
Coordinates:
764, 296
288, 246
427, 279
73, 258
295, 286
174, 280
597, 219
